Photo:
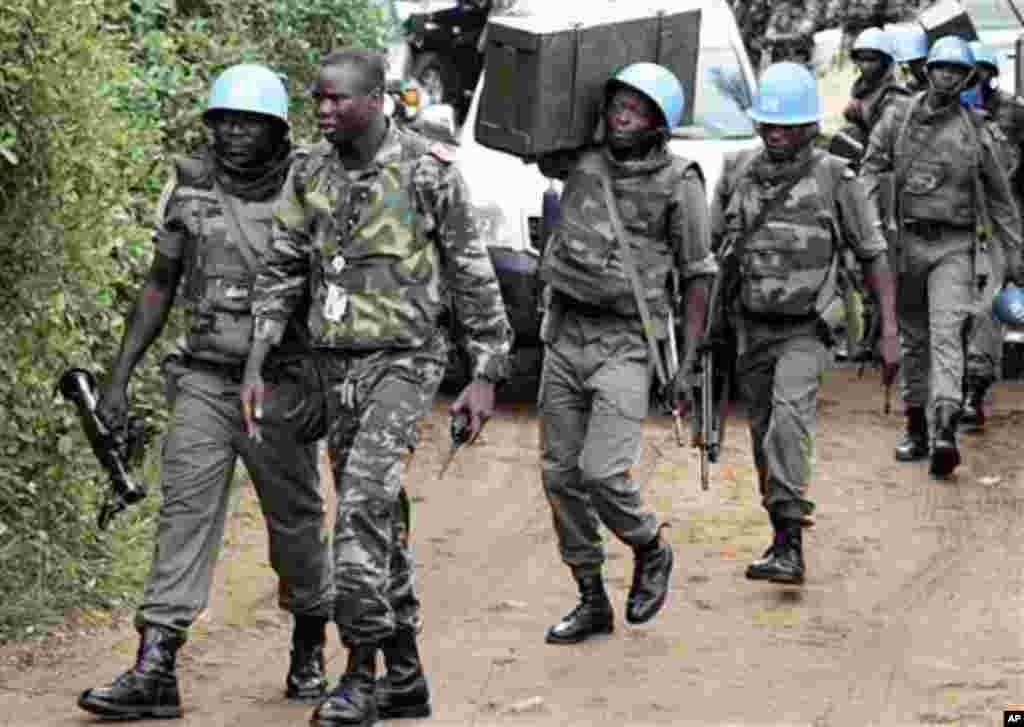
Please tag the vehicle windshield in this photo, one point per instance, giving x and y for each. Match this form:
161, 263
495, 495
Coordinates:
993, 14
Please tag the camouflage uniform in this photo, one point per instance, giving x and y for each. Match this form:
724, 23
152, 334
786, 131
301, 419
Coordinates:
596, 378
787, 271
378, 251
933, 161
207, 436
985, 350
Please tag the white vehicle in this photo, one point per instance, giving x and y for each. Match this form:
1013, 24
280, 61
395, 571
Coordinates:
506, 193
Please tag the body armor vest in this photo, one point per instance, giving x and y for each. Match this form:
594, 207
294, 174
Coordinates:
936, 164
583, 259
376, 280
221, 269
788, 263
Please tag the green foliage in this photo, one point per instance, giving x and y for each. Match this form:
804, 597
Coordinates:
95, 96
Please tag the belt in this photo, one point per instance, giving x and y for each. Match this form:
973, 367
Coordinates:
230, 371
932, 229
588, 310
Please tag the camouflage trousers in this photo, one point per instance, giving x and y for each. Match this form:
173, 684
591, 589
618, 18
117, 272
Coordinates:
200, 450
985, 347
373, 402
593, 397
779, 381
935, 305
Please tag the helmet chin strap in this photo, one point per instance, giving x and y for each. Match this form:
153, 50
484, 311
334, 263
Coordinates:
635, 144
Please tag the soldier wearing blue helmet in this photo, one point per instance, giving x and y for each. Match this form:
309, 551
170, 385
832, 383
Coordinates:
213, 227
1006, 113
602, 341
911, 46
952, 203
876, 87
783, 216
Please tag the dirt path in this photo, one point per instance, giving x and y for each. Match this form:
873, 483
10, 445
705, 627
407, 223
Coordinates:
912, 614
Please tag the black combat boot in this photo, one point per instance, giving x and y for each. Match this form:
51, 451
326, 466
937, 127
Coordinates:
784, 561
592, 615
760, 569
945, 455
402, 691
913, 445
352, 702
652, 566
306, 680
147, 690
973, 414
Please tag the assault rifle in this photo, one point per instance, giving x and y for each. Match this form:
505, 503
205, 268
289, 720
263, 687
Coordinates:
115, 450
714, 367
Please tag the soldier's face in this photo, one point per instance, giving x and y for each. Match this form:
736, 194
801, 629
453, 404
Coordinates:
947, 78
630, 112
346, 102
871, 63
783, 142
243, 138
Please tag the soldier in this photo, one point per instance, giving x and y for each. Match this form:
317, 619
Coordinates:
598, 340
781, 216
952, 195
985, 349
375, 229
911, 46
876, 88
212, 229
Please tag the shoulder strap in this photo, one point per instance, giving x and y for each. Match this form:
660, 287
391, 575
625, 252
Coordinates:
242, 241
634, 278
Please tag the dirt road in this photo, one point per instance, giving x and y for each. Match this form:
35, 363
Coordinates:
912, 614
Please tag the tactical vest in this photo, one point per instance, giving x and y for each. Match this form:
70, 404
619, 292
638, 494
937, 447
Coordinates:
220, 271
935, 168
788, 264
376, 279
583, 259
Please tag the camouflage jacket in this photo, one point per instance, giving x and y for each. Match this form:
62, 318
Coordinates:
380, 252
869, 101
788, 254
1007, 111
934, 164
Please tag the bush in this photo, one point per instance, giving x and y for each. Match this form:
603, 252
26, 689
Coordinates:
92, 105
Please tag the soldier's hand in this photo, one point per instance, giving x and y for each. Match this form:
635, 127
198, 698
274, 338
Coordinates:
891, 356
112, 407
252, 394
477, 402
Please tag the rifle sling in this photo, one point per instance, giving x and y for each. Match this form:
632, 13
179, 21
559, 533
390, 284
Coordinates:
634, 278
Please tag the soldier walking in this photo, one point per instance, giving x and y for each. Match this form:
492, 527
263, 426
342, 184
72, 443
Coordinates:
911, 46
213, 228
781, 216
876, 88
374, 229
985, 348
599, 337
952, 201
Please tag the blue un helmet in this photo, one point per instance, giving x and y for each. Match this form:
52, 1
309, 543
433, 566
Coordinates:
658, 84
874, 39
787, 95
910, 44
951, 49
984, 56
249, 87
1008, 307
